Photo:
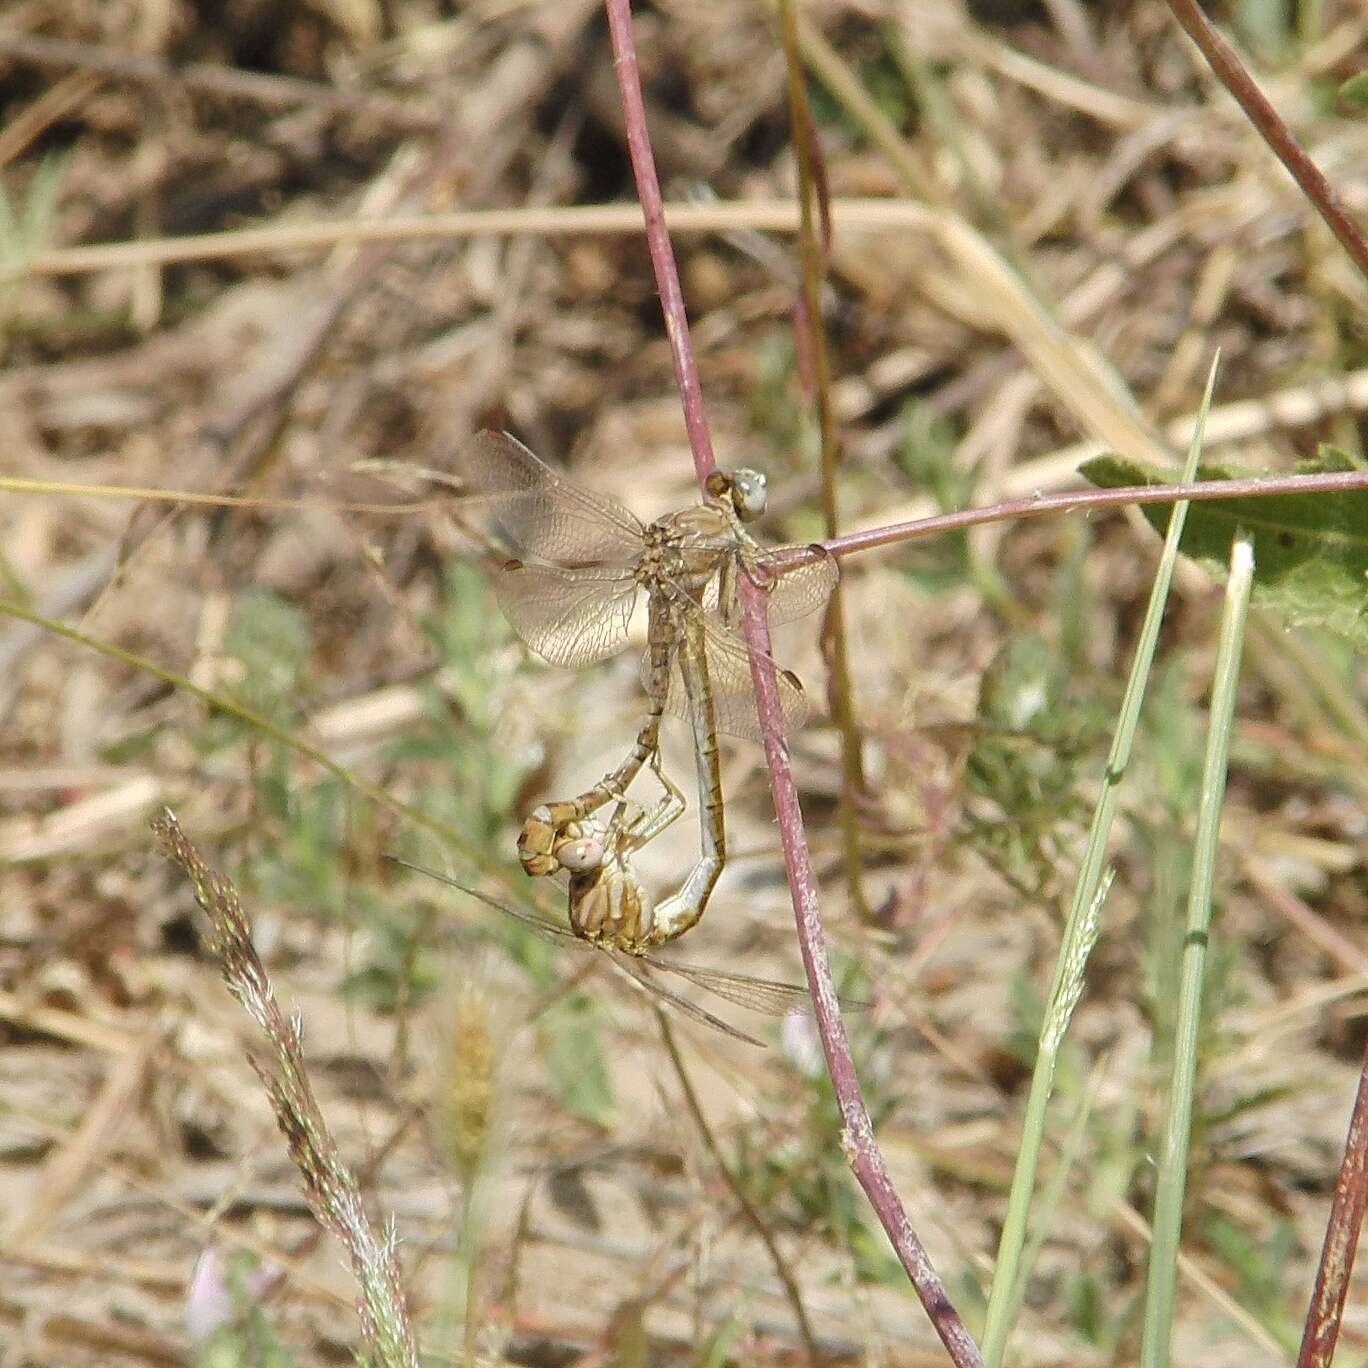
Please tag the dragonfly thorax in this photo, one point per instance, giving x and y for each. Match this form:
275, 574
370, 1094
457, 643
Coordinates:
684, 550
610, 906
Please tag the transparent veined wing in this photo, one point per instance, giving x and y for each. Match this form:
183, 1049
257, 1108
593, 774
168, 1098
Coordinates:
631, 967
570, 618
536, 514
797, 580
744, 990
727, 662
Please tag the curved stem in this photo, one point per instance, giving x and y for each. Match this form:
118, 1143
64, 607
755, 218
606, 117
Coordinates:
865, 1158
1225, 62
810, 322
1035, 505
748, 1208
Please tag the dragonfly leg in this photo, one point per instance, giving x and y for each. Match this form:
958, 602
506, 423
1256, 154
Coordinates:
728, 603
650, 823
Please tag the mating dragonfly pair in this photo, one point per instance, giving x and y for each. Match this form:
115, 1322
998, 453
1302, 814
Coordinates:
574, 562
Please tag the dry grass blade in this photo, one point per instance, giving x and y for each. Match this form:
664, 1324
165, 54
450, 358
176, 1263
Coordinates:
329, 1185
814, 250
180, 218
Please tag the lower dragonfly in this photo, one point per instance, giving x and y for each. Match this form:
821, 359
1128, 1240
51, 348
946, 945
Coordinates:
603, 883
608, 904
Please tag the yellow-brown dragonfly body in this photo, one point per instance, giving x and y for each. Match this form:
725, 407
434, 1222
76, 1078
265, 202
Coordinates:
578, 560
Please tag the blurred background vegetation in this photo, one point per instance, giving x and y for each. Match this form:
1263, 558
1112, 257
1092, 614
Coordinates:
511, 1104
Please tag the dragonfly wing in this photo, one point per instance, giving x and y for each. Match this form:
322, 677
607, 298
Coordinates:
759, 994
729, 677
538, 515
548, 930
570, 618
631, 967
794, 586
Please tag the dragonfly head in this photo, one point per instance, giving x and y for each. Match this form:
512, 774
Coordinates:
746, 490
545, 847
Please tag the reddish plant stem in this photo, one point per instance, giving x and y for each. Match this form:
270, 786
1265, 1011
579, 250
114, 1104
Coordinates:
1035, 505
658, 236
865, 1159
857, 1139
1326, 1311
1225, 62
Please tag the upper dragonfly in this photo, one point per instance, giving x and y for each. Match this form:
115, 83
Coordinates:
577, 559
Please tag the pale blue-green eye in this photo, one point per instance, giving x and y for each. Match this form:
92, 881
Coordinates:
750, 492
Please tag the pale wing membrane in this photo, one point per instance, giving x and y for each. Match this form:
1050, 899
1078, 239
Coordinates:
798, 589
631, 967
536, 514
570, 618
729, 676
793, 588
760, 995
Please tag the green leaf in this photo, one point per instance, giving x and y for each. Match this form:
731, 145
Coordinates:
1354, 92
1310, 550
269, 638
574, 1057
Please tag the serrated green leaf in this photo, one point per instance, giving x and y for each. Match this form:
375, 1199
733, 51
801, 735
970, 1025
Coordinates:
1310, 550
1354, 92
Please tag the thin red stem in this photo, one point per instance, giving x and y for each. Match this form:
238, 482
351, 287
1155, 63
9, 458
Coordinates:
1326, 1311
1225, 62
862, 1150
865, 1159
658, 237
1035, 505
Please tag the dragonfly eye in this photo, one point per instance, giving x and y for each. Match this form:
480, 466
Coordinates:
580, 855
749, 493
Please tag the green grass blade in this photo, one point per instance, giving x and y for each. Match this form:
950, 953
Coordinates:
1172, 1180
1084, 910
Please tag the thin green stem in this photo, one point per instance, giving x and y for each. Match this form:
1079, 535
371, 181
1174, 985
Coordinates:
1173, 1156
1009, 1272
813, 260
748, 1208
470, 1250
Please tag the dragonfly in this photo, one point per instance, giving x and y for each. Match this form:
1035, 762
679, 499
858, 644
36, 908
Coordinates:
605, 878
575, 563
